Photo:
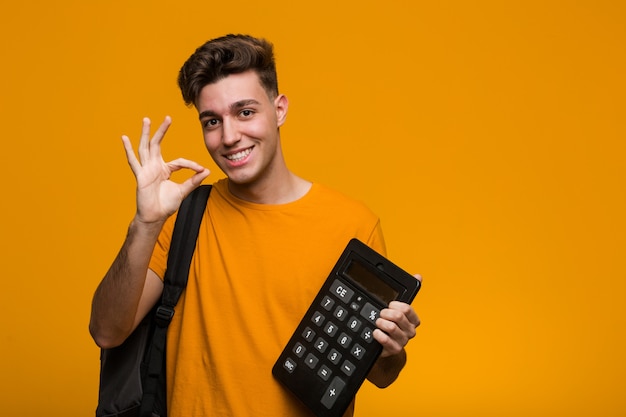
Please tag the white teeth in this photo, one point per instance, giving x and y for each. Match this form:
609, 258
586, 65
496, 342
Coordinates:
239, 155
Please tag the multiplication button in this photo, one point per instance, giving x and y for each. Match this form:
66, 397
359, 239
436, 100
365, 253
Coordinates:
357, 351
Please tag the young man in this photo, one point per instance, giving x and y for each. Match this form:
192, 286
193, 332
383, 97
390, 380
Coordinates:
267, 242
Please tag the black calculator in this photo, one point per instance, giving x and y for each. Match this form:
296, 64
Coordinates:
332, 350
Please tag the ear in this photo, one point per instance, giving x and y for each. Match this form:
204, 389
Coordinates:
281, 105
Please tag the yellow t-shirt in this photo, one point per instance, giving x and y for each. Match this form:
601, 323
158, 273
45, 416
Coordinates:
255, 271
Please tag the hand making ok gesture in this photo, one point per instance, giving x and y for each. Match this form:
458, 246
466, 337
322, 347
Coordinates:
157, 196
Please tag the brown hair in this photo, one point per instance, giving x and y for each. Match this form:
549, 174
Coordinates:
230, 54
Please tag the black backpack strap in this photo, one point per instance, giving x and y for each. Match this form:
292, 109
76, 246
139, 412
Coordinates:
181, 251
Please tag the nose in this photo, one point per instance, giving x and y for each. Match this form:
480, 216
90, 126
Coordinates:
230, 134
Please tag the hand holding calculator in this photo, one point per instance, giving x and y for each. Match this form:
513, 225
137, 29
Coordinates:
333, 349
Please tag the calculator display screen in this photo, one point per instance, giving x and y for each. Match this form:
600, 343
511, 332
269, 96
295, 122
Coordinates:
370, 281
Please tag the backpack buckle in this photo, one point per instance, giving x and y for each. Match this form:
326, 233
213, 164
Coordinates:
164, 315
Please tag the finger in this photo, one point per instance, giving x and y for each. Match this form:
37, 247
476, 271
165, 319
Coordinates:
392, 337
135, 166
390, 345
400, 332
182, 163
192, 183
399, 321
407, 311
144, 142
418, 277
155, 143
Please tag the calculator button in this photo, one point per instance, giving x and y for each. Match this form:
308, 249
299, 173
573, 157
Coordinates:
331, 329
348, 368
344, 340
318, 318
354, 324
342, 291
289, 365
311, 360
324, 372
332, 392
341, 313
370, 313
328, 303
367, 335
321, 345
308, 334
299, 350
334, 356
357, 351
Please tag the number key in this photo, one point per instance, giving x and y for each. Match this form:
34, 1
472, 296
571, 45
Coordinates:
299, 350
318, 318
341, 313
321, 344
331, 329
334, 356
344, 340
308, 334
328, 303
354, 324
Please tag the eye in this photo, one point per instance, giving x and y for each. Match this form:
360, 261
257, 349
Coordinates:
210, 123
246, 113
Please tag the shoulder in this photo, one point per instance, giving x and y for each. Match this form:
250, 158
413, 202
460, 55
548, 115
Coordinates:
340, 205
349, 215
326, 194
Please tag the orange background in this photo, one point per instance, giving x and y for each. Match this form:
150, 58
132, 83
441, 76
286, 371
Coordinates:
488, 135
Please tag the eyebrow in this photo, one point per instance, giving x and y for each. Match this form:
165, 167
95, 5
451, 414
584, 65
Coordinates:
235, 106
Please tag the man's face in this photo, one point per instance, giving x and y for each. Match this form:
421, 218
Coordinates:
241, 127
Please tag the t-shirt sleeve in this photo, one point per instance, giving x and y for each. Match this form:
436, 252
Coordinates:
158, 261
376, 240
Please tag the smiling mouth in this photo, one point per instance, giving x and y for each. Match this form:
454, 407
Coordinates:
239, 156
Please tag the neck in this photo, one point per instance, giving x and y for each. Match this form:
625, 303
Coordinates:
289, 188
